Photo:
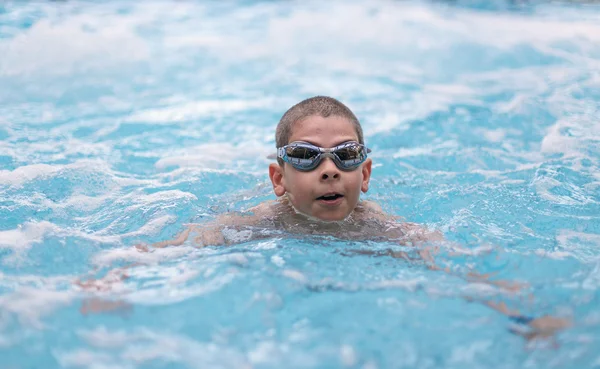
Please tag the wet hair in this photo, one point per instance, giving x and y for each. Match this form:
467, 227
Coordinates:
322, 106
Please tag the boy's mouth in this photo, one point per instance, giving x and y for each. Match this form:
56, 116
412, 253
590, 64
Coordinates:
330, 197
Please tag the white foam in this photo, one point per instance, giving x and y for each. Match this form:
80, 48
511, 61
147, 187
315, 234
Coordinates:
408, 284
166, 294
195, 110
268, 244
211, 155
265, 352
28, 173
74, 147
518, 29
583, 131
278, 260
83, 202
566, 234
77, 202
474, 251
287, 35
386, 121
493, 135
126, 181
101, 337
580, 245
295, 275
110, 256
364, 26
545, 184
169, 196
132, 348
467, 354
24, 236
478, 289
91, 359
516, 105
74, 44
292, 37
29, 305
426, 149
554, 142
557, 255
29, 281
152, 227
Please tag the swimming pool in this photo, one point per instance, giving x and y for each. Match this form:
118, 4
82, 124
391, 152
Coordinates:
121, 122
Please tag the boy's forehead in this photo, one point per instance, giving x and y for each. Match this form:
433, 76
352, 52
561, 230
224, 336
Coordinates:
324, 127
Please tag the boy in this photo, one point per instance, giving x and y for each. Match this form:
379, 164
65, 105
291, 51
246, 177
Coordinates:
322, 167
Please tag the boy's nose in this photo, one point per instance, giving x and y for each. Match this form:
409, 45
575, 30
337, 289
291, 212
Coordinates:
329, 170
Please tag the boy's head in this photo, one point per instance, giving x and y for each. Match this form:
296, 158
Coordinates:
321, 106
329, 191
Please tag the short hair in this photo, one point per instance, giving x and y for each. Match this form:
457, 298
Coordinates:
322, 106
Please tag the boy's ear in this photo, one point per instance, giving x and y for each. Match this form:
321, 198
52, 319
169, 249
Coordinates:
366, 172
276, 176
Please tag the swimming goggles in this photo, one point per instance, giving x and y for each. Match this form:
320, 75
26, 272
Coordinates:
305, 157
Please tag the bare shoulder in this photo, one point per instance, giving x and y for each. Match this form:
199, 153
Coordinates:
264, 209
420, 233
396, 227
372, 210
371, 205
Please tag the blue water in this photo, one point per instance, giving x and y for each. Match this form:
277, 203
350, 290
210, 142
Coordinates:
121, 122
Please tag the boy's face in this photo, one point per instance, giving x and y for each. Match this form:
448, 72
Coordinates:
305, 189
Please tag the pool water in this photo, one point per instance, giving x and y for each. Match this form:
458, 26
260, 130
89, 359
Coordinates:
121, 122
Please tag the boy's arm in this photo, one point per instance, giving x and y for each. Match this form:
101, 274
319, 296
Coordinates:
543, 327
208, 234
211, 234
179, 240
538, 328
419, 236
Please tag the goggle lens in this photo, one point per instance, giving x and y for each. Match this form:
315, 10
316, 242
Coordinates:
305, 157
301, 152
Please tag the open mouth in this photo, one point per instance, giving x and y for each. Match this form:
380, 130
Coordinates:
330, 197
